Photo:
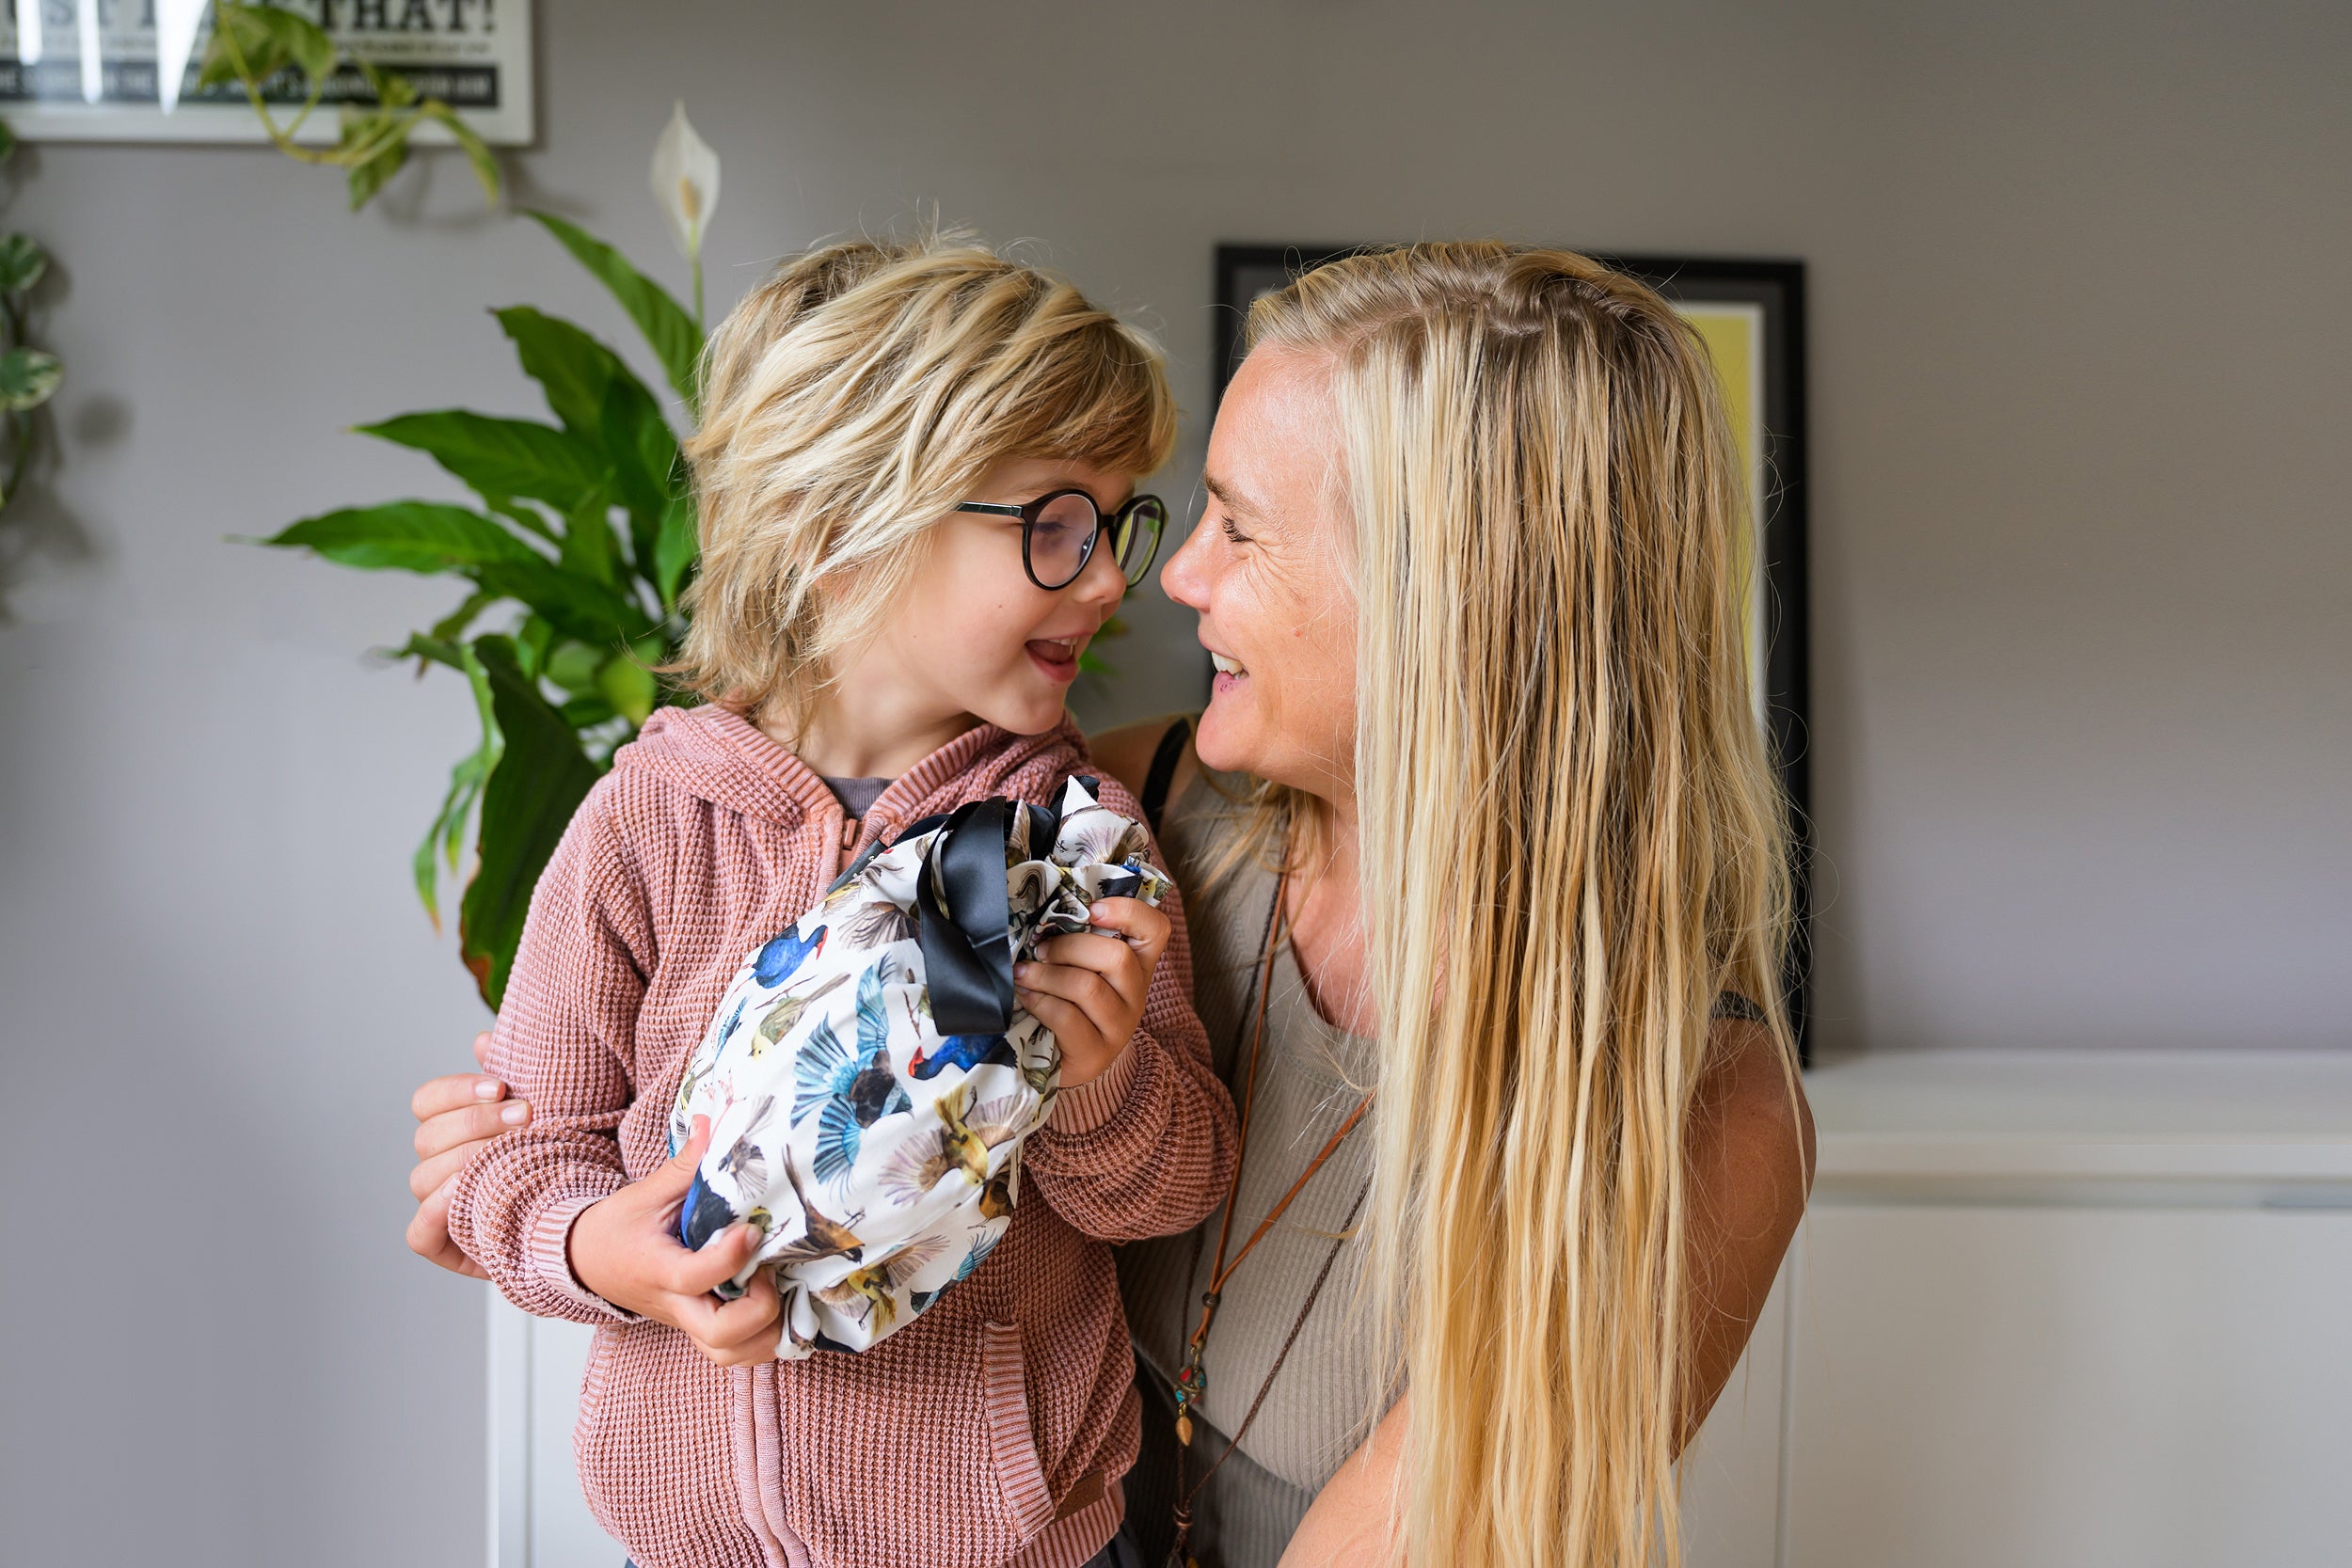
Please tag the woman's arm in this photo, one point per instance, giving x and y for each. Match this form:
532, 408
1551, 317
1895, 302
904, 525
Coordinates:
1749, 1161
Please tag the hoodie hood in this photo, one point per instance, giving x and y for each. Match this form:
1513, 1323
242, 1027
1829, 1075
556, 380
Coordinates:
716, 754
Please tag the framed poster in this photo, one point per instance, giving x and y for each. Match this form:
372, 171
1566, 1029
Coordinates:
126, 70
1751, 316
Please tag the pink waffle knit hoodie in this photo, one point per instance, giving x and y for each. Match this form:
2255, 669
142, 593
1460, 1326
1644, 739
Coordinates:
992, 1430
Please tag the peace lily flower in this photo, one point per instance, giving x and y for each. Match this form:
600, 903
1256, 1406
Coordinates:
686, 186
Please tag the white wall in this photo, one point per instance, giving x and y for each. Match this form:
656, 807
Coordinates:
2080, 555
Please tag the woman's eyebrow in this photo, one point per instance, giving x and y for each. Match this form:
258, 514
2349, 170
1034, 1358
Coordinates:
1230, 497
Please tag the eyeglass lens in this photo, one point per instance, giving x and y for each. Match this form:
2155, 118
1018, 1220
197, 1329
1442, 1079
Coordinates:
1061, 539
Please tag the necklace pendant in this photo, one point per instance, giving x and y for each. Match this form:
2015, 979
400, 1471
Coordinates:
1184, 1430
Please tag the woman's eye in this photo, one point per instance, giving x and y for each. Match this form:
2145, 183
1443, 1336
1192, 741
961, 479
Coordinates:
1231, 534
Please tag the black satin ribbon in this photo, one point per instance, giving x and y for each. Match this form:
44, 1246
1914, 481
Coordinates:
963, 916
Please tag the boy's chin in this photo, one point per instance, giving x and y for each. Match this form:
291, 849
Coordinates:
1024, 714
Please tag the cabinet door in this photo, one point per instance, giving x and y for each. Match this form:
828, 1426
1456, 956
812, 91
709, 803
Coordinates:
1731, 1475
2070, 1387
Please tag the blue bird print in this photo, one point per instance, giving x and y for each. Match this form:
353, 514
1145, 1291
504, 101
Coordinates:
963, 1051
851, 1090
782, 958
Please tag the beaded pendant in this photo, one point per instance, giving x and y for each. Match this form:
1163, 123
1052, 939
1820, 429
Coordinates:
1191, 1382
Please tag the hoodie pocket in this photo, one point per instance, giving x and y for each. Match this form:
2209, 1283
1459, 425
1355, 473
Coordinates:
1028, 1501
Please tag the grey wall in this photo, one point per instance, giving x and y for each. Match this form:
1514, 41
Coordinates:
2081, 570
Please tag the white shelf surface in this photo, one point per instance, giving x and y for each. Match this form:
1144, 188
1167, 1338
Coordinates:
2270, 1127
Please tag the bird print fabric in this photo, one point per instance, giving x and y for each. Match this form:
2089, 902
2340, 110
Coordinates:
879, 1158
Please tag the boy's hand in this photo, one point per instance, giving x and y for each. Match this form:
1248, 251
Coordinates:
625, 1249
1088, 988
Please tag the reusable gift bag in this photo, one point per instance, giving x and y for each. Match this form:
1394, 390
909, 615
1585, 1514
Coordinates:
869, 1078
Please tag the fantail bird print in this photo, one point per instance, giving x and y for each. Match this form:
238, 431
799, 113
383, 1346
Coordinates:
744, 1163
850, 1090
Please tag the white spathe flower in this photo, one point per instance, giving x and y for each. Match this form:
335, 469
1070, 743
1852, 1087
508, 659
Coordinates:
685, 182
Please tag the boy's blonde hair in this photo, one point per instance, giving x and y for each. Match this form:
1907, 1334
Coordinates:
855, 398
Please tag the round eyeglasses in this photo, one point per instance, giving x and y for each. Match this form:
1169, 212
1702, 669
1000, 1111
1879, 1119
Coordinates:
1058, 532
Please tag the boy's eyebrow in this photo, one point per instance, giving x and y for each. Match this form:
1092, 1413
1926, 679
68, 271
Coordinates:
1232, 498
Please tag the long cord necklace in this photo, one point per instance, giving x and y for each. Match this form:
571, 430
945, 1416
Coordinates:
1192, 1381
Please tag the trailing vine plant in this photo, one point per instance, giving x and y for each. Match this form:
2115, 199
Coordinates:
29, 376
251, 44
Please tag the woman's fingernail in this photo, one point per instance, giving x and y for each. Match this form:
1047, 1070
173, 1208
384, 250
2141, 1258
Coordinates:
513, 1115
487, 1088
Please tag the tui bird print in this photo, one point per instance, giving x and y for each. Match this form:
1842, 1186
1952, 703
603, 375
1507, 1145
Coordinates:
850, 1090
822, 1236
782, 958
958, 1146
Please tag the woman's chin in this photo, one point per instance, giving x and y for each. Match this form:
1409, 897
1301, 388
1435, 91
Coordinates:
1222, 738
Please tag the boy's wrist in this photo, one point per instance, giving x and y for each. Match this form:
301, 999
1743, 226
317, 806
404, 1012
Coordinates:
1083, 1106
554, 1247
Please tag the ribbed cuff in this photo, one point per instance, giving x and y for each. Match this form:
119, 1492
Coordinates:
551, 1257
1086, 1106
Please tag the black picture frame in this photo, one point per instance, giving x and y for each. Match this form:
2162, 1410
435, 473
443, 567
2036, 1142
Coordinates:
1775, 288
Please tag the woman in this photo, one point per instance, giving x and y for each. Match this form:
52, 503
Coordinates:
1502, 841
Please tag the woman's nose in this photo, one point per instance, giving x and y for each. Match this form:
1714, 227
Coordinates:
1182, 579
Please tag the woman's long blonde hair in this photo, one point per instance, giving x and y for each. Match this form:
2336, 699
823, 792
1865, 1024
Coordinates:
1578, 842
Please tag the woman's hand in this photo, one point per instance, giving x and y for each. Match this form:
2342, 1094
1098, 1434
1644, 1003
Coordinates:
455, 1116
625, 1249
1088, 987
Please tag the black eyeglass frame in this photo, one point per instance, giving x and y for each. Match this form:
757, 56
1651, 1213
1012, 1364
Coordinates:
1031, 513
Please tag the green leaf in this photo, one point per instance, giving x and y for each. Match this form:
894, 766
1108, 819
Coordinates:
459, 621
572, 368
669, 332
478, 153
22, 262
675, 550
628, 686
501, 458
445, 837
263, 37
408, 536
573, 603
601, 402
539, 778
28, 378
573, 666
301, 39
586, 713
645, 462
589, 547
368, 177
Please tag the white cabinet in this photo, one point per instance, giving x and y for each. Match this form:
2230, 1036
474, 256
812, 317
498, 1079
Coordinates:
2048, 1311
2054, 1312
